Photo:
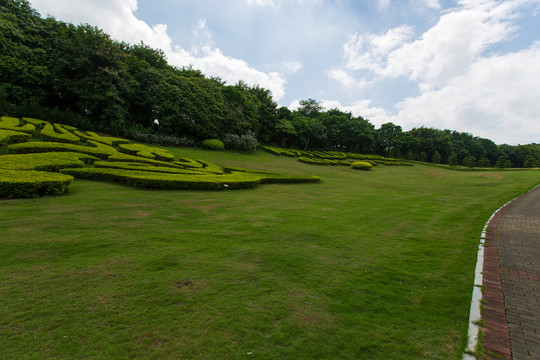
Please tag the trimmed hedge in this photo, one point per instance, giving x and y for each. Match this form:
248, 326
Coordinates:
57, 133
11, 123
213, 144
100, 150
111, 141
146, 151
11, 136
30, 184
278, 151
153, 180
186, 162
132, 158
50, 161
146, 167
361, 165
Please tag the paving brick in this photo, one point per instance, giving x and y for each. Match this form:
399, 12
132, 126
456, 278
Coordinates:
514, 245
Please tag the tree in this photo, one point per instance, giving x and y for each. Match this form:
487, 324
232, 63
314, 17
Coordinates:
469, 161
453, 159
388, 139
530, 162
484, 162
436, 157
503, 162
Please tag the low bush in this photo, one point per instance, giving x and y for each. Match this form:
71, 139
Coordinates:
11, 123
107, 140
100, 150
146, 152
213, 144
147, 167
57, 133
29, 184
50, 161
361, 165
11, 136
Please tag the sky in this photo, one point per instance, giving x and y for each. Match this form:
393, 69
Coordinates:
465, 65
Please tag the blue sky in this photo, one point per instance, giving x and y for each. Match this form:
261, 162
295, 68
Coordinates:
466, 65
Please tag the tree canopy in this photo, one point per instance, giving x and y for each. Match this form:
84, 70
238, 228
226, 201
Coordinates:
77, 74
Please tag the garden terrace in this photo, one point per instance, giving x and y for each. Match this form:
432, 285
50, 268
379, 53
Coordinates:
59, 148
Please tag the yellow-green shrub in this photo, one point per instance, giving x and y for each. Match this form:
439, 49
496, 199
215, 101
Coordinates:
213, 144
100, 150
29, 184
57, 133
11, 123
11, 136
361, 165
49, 161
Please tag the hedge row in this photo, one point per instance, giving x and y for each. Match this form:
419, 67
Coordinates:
147, 167
153, 180
100, 150
11, 123
57, 133
30, 184
315, 161
146, 152
111, 141
11, 136
50, 161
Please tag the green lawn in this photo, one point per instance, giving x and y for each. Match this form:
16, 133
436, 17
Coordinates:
364, 265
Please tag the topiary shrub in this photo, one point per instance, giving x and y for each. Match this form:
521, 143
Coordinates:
361, 165
213, 144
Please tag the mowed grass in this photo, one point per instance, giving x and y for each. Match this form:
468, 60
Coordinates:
364, 265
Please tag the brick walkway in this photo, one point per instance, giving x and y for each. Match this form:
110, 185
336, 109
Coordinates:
512, 281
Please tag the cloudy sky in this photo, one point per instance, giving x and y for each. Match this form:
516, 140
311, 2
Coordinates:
467, 65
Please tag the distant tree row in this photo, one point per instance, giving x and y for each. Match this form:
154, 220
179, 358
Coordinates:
78, 74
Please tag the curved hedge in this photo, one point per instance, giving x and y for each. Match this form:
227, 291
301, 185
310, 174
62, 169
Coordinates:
57, 133
146, 152
51, 161
30, 184
100, 150
111, 141
11, 123
11, 136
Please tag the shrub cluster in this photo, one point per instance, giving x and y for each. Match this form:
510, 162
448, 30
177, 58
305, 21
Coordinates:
30, 184
213, 144
246, 142
137, 165
361, 165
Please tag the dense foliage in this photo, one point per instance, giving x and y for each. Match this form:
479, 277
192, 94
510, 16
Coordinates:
78, 75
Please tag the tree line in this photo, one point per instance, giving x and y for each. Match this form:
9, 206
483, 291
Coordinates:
79, 75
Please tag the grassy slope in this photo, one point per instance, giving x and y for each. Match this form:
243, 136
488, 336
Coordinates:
370, 265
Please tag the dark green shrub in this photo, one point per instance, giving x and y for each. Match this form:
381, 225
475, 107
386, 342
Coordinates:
213, 144
361, 165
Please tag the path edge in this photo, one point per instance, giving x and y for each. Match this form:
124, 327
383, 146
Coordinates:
475, 313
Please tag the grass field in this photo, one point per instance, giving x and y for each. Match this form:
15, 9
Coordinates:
364, 265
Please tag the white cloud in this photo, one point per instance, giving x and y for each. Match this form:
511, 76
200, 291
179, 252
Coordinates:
369, 51
342, 77
262, 3
376, 115
292, 67
496, 98
117, 18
